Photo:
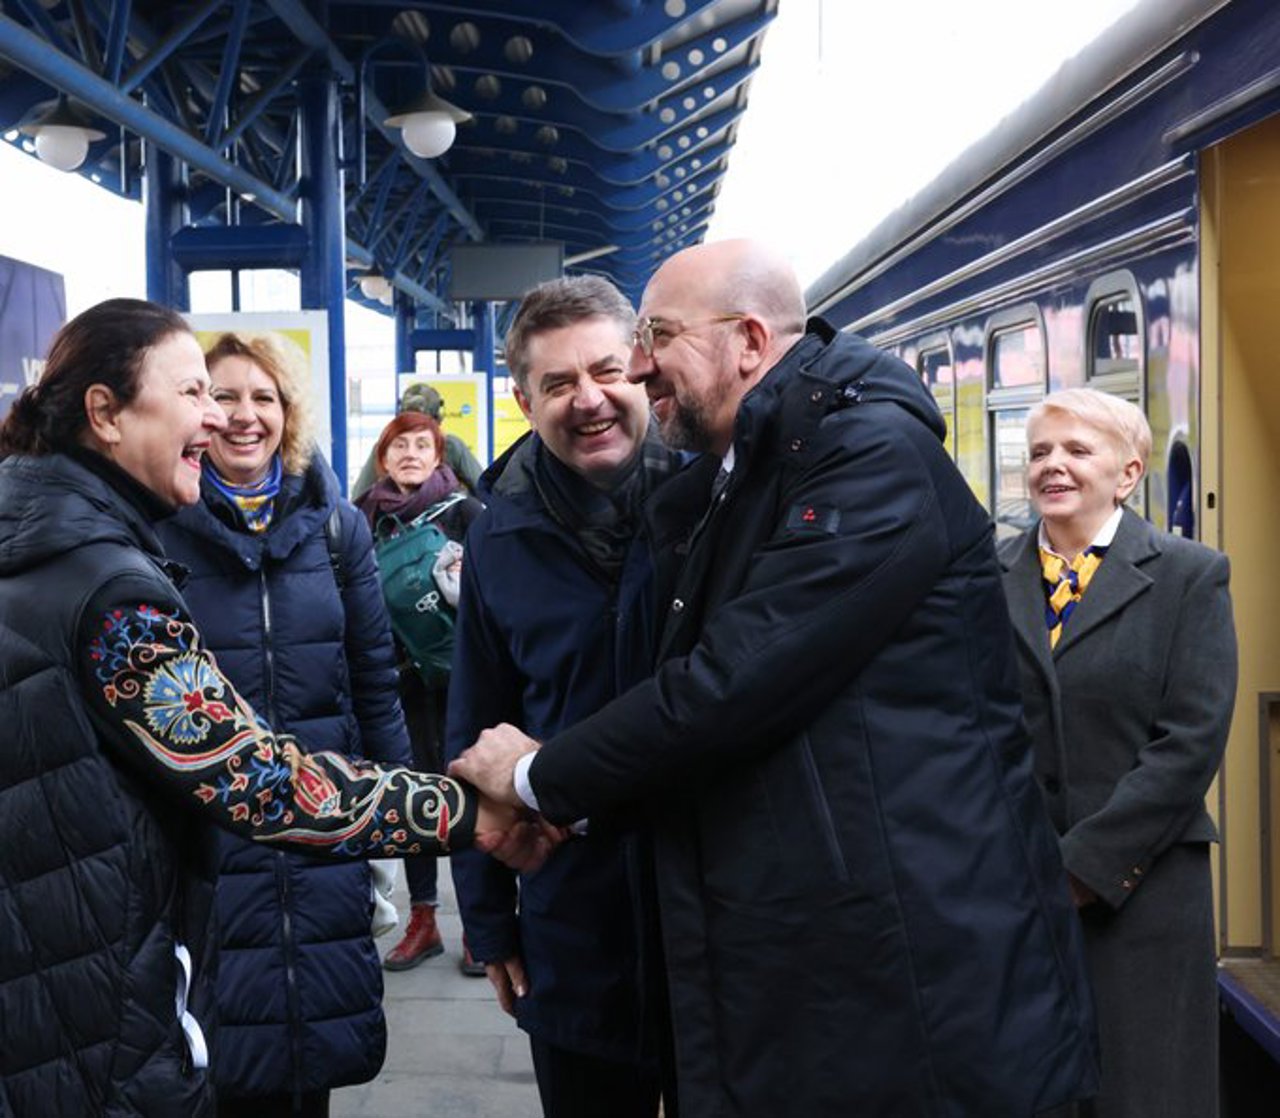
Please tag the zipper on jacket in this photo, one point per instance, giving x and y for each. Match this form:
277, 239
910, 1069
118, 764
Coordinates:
292, 997
268, 655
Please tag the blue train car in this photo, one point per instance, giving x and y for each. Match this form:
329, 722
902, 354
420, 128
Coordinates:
1122, 229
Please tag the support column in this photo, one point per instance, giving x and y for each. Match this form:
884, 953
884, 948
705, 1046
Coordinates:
164, 194
482, 361
324, 221
406, 356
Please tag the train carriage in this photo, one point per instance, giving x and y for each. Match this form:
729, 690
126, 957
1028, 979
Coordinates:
1122, 230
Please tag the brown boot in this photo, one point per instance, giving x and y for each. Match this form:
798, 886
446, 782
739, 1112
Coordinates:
421, 940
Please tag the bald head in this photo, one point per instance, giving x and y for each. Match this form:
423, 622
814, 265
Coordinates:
718, 317
744, 276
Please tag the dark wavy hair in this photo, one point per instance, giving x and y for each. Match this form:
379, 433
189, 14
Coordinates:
403, 423
105, 345
559, 303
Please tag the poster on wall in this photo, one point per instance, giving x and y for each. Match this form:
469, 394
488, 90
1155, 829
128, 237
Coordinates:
509, 423
305, 332
33, 305
465, 411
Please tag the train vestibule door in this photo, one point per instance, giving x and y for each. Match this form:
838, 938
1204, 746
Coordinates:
1240, 508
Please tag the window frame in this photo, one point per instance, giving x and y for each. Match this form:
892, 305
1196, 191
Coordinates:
1016, 398
1127, 384
935, 343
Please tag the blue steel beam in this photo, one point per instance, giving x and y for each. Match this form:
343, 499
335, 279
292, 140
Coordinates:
28, 51
227, 74
263, 98
304, 26
591, 78
117, 36
161, 50
596, 28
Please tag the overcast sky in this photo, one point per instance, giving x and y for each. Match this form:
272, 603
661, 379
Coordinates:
855, 107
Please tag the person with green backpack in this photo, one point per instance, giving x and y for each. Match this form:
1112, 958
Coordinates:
419, 513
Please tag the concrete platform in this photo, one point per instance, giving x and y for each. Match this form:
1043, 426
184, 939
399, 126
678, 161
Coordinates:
451, 1052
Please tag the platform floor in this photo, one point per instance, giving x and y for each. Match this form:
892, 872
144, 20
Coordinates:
1261, 977
451, 1052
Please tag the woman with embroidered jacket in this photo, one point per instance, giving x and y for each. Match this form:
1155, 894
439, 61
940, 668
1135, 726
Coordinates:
1127, 658
413, 480
284, 589
122, 735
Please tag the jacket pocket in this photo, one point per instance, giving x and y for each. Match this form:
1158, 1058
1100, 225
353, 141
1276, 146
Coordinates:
769, 833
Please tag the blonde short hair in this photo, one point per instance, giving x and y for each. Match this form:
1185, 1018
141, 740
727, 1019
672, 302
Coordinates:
285, 363
1122, 422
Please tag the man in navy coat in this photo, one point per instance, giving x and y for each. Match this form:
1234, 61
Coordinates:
554, 621
863, 909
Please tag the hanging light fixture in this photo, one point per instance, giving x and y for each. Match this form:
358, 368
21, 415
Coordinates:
428, 124
374, 285
62, 133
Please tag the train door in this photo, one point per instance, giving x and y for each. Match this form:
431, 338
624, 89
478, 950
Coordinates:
1240, 512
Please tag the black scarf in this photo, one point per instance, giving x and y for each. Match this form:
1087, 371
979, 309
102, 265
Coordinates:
605, 522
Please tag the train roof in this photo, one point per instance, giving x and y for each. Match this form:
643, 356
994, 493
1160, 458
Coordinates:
1128, 44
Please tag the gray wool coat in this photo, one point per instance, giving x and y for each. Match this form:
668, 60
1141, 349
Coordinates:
1129, 717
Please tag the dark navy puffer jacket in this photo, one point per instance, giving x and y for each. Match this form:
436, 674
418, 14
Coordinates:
300, 985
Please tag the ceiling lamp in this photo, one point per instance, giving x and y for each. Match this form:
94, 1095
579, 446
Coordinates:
62, 133
428, 124
374, 285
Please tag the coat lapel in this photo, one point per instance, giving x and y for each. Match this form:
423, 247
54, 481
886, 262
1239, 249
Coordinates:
1026, 602
1119, 580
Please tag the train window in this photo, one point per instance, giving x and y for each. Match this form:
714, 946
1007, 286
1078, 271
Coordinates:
1116, 340
1016, 377
1012, 512
936, 367
1115, 346
1017, 356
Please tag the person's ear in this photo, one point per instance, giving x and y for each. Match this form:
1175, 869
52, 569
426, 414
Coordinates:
757, 337
103, 413
523, 401
1130, 474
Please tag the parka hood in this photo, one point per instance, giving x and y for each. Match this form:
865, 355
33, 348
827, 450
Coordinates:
50, 504
858, 371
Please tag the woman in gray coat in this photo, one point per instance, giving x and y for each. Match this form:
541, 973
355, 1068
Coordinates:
1127, 655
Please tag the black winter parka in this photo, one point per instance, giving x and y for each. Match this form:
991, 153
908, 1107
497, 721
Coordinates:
118, 733
862, 903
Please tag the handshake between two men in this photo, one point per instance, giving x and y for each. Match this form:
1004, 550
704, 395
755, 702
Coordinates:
506, 827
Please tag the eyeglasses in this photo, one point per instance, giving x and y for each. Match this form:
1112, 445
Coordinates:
653, 333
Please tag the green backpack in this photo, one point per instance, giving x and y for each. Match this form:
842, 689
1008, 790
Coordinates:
421, 618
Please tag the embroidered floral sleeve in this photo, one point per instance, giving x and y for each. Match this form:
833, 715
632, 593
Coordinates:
158, 689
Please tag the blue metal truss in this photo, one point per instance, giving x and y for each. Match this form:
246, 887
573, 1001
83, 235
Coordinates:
604, 124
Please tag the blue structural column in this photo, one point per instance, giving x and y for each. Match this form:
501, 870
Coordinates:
323, 220
406, 357
482, 359
166, 280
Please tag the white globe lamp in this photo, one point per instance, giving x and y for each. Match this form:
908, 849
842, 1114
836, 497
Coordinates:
61, 133
63, 146
428, 125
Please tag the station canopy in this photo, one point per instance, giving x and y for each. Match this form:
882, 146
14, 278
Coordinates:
598, 128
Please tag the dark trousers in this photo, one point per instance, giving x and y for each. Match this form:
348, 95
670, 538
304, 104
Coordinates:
310, 1104
424, 710
573, 1085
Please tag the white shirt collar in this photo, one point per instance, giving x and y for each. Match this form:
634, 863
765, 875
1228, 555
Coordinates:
726, 463
1105, 535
